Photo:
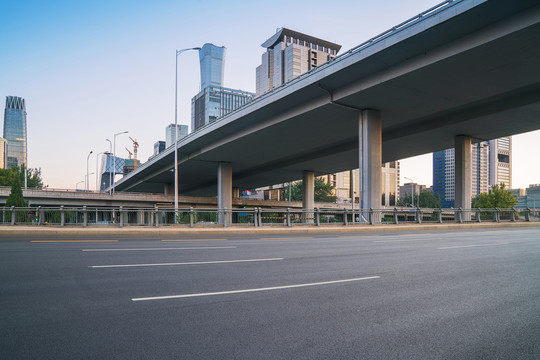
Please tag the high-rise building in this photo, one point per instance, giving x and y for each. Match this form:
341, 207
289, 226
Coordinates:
159, 146
288, 55
212, 60
15, 131
3, 153
444, 172
170, 135
390, 174
214, 100
500, 161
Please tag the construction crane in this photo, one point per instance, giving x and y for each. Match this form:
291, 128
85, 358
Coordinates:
129, 152
135, 147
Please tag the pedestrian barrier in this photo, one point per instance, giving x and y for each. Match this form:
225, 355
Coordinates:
256, 217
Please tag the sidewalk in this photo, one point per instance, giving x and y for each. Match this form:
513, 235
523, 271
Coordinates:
271, 229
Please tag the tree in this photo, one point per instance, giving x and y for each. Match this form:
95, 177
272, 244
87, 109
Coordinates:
33, 177
16, 198
426, 199
323, 191
497, 197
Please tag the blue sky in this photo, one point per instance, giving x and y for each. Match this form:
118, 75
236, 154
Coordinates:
89, 69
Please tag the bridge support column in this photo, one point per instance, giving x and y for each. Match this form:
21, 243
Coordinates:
370, 161
168, 189
463, 172
224, 192
308, 195
236, 193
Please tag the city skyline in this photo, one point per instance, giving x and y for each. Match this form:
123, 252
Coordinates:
102, 68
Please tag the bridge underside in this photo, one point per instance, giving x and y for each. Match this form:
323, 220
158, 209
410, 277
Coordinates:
474, 74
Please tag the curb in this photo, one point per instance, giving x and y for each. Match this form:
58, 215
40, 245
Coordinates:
44, 230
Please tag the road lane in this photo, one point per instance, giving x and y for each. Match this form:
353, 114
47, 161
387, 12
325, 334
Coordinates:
472, 301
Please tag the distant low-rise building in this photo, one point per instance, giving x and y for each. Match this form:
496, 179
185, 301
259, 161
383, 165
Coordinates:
411, 188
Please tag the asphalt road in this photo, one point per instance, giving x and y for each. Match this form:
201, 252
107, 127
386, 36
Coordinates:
426, 295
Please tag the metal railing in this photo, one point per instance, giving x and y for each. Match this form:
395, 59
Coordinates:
255, 217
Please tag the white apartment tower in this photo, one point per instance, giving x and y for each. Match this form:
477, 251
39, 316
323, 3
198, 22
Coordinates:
290, 54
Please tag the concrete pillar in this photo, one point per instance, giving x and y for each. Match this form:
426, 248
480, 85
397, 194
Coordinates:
370, 159
463, 172
224, 191
308, 195
140, 217
236, 193
168, 189
308, 190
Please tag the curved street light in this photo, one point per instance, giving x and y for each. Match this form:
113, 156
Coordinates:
178, 52
86, 180
107, 165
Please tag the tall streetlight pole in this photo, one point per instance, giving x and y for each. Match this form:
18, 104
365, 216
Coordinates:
77, 184
97, 171
413, 190
110, 174
114, 157
86, 180
178, 52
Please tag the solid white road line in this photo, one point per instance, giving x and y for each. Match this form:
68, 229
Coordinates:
153, 249
468, 246
404, 240
72, 241
185, 263
253, 290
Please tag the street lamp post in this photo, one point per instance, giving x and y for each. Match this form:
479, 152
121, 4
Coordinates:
178, 52
114, 157
413, 191
77, 184
97, 171
110, 174
86, 180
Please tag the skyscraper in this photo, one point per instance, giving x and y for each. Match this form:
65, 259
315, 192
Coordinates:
212, 60
15, 131
288, 55
214, 100
483, 165
170, 135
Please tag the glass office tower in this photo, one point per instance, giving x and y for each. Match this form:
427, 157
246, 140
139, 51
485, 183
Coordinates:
15, 131
212, 59
214, 100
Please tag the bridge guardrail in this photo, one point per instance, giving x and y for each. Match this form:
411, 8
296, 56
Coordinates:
256, 217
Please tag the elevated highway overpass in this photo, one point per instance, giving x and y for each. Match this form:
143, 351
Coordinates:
466, 70
71, 198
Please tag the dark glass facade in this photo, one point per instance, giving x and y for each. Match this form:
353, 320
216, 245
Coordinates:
439, 178
15, 131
